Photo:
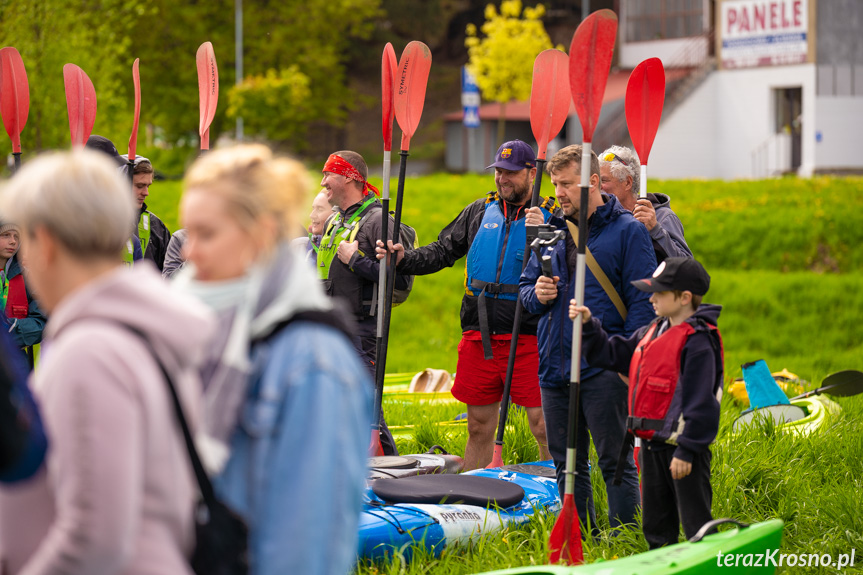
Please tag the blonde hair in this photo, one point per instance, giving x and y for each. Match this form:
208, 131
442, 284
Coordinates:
79, 197
255, 184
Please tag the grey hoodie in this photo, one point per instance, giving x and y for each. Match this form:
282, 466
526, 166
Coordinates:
117, 492
667, 234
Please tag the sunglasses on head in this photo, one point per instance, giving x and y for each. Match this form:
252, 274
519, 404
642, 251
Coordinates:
611, 156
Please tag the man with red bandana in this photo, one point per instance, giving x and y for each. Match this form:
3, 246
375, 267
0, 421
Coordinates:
346, 257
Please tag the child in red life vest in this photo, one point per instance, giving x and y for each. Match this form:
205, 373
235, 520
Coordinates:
675, 383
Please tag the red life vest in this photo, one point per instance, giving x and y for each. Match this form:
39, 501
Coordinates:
655, 398
17, 306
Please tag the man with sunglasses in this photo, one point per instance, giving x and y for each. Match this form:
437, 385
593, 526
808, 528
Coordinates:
621, 174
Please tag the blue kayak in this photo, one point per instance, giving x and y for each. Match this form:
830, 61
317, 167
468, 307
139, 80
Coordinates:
434, 511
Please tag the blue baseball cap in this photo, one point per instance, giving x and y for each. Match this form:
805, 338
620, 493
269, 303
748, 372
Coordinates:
514, 155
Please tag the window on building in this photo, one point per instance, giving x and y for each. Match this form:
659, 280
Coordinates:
663, 19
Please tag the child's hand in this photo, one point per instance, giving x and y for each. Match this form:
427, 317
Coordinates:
574, 310
679, 468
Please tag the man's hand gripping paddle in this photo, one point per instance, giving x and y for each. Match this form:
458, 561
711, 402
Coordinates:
208, 91
589, 63
388, 72
80, 103
549, 106
133, 138
14, 98
410, 83
645, 96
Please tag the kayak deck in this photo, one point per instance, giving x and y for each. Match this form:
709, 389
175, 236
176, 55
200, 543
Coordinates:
758, 541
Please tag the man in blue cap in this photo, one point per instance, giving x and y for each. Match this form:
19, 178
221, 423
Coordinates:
490, 231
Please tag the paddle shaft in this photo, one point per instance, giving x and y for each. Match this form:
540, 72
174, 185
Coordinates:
380, 344
642, 184
575, 366
17, 156
381, 360
516, 324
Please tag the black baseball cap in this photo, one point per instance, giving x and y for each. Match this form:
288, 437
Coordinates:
106, 146
683, 274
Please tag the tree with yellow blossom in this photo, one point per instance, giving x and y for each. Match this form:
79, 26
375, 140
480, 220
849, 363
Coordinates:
502, 59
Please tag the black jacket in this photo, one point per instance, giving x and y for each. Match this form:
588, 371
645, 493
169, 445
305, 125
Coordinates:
160, 236
453, 243
355, 283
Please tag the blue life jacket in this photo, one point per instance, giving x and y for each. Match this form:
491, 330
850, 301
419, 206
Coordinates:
495, 260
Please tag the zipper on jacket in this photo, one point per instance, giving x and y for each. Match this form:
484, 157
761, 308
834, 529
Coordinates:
502, 254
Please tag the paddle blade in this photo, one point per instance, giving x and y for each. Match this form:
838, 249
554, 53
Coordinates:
496, 458
15, 95
80, 103
410, 89
208, 90
549, 97
840, 384
375, 447
388, 74
645, 96
565, 540
589, 63
133, 138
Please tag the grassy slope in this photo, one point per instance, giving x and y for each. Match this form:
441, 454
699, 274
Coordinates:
786, 265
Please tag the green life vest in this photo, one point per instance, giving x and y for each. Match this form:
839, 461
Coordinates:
4, 289
129, 253
144, 230
337, 232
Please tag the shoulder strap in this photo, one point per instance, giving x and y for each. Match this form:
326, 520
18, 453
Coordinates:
334, 318
359, 224
207, 491
598, 273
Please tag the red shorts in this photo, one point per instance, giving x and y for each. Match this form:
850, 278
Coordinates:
479, 381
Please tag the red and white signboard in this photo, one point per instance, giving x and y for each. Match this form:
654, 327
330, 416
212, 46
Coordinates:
764, 32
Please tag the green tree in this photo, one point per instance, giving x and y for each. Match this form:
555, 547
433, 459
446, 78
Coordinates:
502, 60
51, 33
310, 39
257, 97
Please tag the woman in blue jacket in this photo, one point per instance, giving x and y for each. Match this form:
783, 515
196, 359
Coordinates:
287, 405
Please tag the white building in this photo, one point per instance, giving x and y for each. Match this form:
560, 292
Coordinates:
754, 89
776, 85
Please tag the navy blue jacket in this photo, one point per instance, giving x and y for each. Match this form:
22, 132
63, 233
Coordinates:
22, 438
700, 376
622, 247
453, 243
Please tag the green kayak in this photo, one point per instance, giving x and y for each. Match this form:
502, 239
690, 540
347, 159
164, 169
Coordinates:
753, 549
800, 417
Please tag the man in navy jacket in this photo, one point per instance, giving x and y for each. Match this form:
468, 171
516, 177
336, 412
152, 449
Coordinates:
622, 247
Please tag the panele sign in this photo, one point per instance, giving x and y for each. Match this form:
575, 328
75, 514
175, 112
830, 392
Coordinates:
764, 32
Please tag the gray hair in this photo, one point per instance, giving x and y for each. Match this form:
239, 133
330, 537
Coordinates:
79, 197
619, 170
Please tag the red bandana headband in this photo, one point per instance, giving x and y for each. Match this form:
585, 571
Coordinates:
338, 165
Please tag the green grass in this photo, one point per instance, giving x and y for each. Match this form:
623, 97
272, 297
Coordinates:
786, 264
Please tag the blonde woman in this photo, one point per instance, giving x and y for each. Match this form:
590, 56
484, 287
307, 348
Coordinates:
287, 407
117, 492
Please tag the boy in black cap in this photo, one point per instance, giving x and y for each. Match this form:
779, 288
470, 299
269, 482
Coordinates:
675, 383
